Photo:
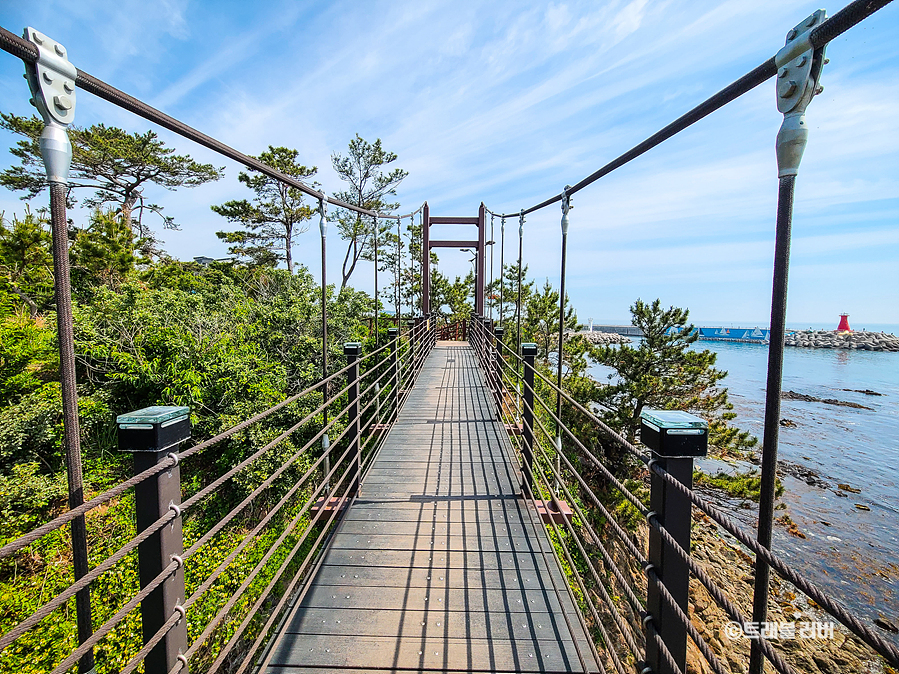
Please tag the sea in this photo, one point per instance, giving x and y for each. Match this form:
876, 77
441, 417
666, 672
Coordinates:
850, 552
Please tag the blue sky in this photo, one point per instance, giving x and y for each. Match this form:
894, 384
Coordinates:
506, 102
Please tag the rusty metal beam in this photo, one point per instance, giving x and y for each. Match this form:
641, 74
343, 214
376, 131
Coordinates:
453, 244
449, 220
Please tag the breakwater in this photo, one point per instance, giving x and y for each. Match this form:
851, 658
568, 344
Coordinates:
597, 337
831, 339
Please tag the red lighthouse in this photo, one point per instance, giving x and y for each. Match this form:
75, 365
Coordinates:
844, 324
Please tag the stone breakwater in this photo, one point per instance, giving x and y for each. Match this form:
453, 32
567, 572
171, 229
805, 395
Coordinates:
596, 337
831, 339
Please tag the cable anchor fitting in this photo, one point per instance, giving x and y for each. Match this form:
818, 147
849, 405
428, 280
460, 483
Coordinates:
566, 206
799, 67
323, 216
521, 224
51, 80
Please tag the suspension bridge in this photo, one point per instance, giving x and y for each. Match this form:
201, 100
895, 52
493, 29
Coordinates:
445, 511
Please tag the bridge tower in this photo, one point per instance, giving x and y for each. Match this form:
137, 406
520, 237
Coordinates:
479, 246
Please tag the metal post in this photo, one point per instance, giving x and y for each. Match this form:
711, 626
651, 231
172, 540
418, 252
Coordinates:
566, 207
491, 244
673, 513
153, 435
377, 333
479, 293
528, 353
323, 228
498, 365
399, 272
352, 351
425, 260
520, 246
798, 75
502, 269
393, 336
51, 80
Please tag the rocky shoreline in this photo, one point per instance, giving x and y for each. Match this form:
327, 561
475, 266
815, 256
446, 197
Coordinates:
596, 337
831, 339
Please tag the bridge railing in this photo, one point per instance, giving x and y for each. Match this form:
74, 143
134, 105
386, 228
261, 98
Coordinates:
640, 622
257, 528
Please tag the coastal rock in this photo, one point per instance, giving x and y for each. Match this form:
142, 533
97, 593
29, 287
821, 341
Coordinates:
792, 395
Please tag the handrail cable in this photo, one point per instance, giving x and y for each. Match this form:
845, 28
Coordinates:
839, 23
781, 665
888, 651
23, 49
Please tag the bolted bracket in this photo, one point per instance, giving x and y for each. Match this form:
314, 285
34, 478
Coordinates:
52, 83
566, 206
799, 67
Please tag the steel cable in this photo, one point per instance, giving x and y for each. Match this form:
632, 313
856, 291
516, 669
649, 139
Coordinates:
26, 51
889, 652
108, 626
122, 487
59, 600
830, 29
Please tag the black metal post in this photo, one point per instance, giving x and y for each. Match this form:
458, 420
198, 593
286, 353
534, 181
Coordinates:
528, 353
498, 363
393, 336
491, 244
768, 485
352, 351
502, 269
71, 426
566, 205
673, 513
520, 248
399, 272
323, 227
153, 434
377, 333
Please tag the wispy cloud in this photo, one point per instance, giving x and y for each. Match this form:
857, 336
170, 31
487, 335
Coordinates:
506, 102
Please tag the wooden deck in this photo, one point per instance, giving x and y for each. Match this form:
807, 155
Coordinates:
438, 565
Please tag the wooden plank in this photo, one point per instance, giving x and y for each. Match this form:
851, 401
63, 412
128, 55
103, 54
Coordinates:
435, 654
439, 564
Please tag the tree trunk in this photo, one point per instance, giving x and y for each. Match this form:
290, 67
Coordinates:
288, 253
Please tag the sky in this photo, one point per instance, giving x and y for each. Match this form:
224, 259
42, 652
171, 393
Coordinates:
506, 102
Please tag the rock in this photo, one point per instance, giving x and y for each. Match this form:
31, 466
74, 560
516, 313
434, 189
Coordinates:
851, 490
788, 423
862, 506
887, 625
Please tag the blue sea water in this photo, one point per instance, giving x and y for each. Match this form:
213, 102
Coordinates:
851, 553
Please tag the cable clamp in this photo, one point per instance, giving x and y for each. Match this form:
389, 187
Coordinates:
799, 67
323, 215
647, 619
51, 80
650, 514
180, 609
174, 457
175, 508
178, 560
182, 659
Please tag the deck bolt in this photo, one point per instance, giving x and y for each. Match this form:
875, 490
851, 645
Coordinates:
47, 78
59, 50
791, 89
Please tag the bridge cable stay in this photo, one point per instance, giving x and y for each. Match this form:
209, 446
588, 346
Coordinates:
851, 15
